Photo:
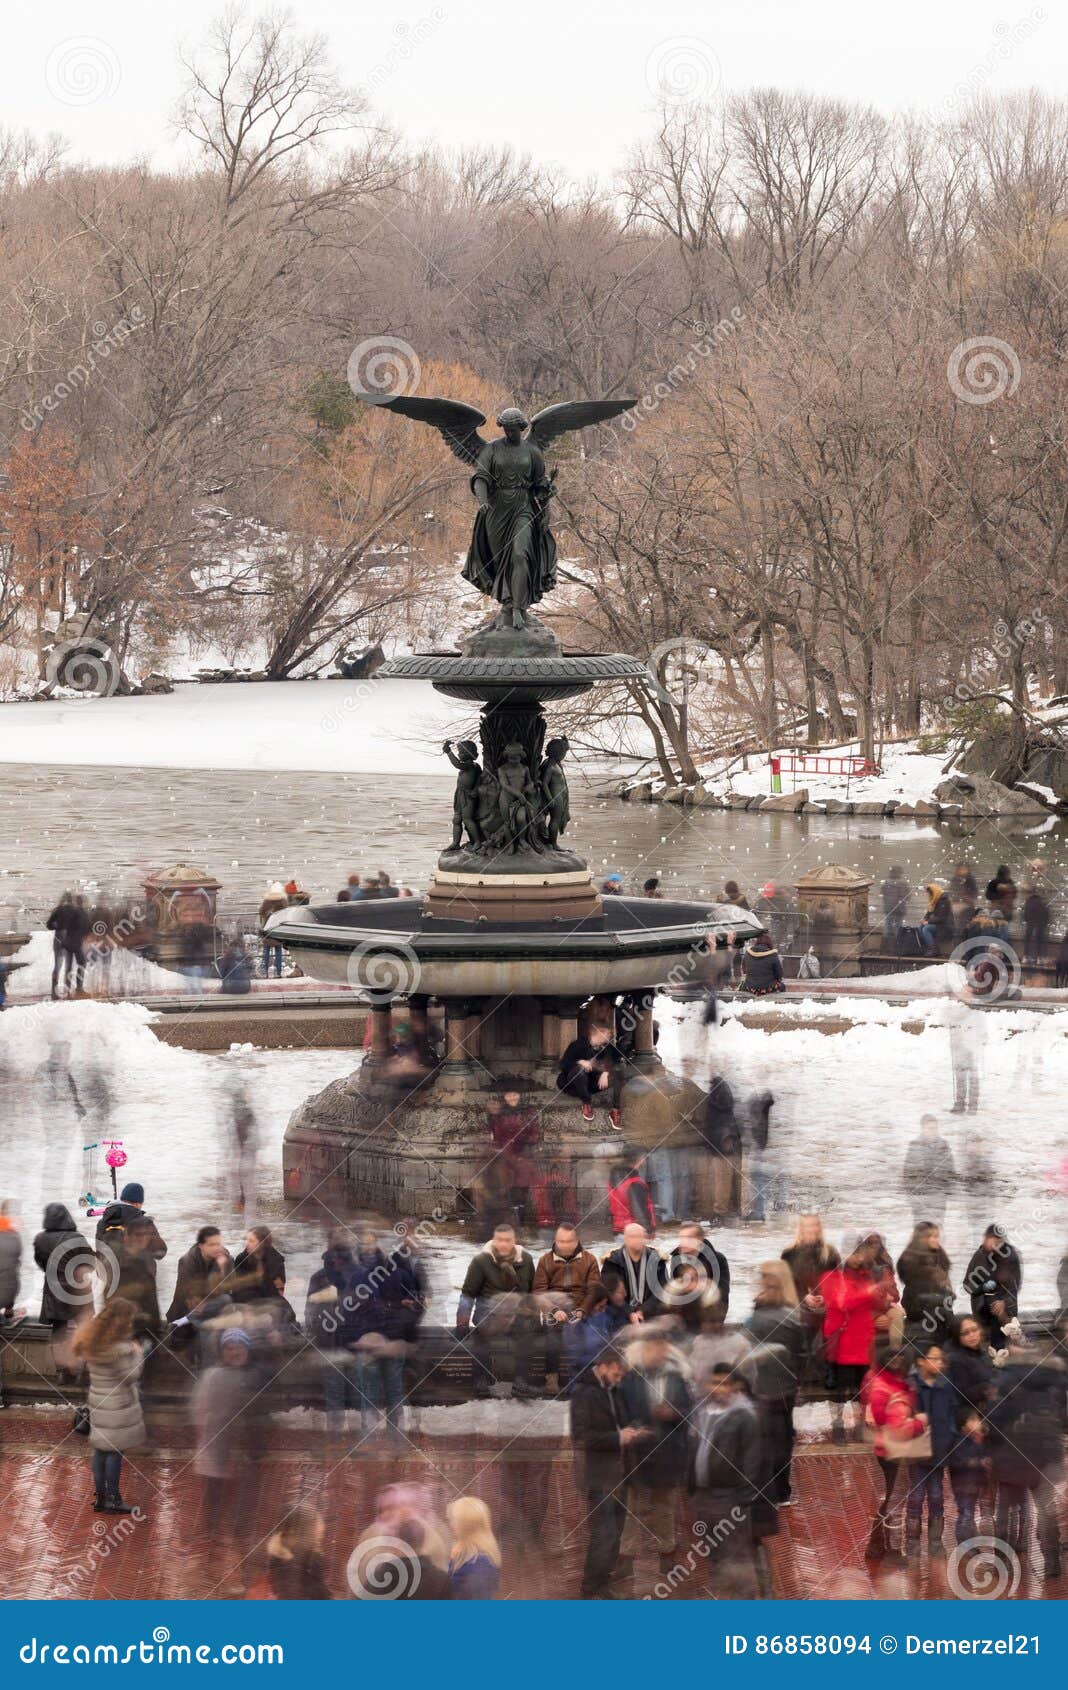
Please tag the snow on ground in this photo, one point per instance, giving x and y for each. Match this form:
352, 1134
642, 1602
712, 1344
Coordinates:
846, 1108
368, 727
907, 775
128, 975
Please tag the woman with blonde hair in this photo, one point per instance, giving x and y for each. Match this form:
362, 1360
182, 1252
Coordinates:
776, 1363
116, 1423
475, 1557
810, 1256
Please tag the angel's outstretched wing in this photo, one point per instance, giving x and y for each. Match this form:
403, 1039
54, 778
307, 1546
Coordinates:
457, 424
574, 413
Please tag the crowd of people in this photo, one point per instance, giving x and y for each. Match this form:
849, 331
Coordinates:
682, 1408
955, 912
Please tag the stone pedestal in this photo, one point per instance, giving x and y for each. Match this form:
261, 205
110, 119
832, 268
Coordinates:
372, 1145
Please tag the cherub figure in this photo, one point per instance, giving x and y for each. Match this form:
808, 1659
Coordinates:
465, 799
518, 800
556, 812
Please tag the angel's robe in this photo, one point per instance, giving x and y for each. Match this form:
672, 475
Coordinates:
512, 556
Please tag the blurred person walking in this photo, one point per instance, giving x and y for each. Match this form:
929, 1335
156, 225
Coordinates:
775, 1365
295, 1568
226, 1428
900, 1435
929, 1173
725, 1476
656, 1398
602, 1439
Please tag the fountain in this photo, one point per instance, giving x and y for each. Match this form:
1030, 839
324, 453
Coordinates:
512, 937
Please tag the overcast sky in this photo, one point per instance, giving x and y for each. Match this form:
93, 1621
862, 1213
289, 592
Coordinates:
571, 81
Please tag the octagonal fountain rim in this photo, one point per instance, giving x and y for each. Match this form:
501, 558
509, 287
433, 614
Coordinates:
453, 958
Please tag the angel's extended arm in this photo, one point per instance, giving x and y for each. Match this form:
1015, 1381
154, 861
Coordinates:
482, 480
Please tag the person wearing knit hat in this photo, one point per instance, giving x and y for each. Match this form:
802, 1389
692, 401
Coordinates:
235, 1335
117, 1216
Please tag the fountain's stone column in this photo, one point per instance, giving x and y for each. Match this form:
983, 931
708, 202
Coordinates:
462, 1066
645, 1053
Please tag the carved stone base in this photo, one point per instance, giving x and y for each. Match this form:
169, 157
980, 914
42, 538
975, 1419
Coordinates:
430, 1155
512, 898
497, 638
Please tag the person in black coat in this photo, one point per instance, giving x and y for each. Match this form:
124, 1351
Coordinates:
67, 1261
602, 1439
259, 1269
993, 1281
657, 1397
726, 1475
205, 1273
129, 1208
590, 1066
712, 1264
971, 1371
1026, 1427
640, 1269
926, 1292
763, 967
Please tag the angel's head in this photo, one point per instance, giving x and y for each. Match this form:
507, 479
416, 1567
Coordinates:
514, 424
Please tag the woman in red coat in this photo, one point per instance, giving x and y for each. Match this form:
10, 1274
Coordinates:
854, 1297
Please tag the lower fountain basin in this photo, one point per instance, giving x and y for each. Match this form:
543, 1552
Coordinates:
388, 946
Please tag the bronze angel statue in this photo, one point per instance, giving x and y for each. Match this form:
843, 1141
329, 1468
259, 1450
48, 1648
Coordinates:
512, 556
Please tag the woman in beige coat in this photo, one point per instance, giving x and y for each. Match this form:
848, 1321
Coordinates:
116, 1422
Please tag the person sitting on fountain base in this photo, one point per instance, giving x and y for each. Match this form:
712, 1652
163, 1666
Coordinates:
465, 800
590, 1065
510, 1176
